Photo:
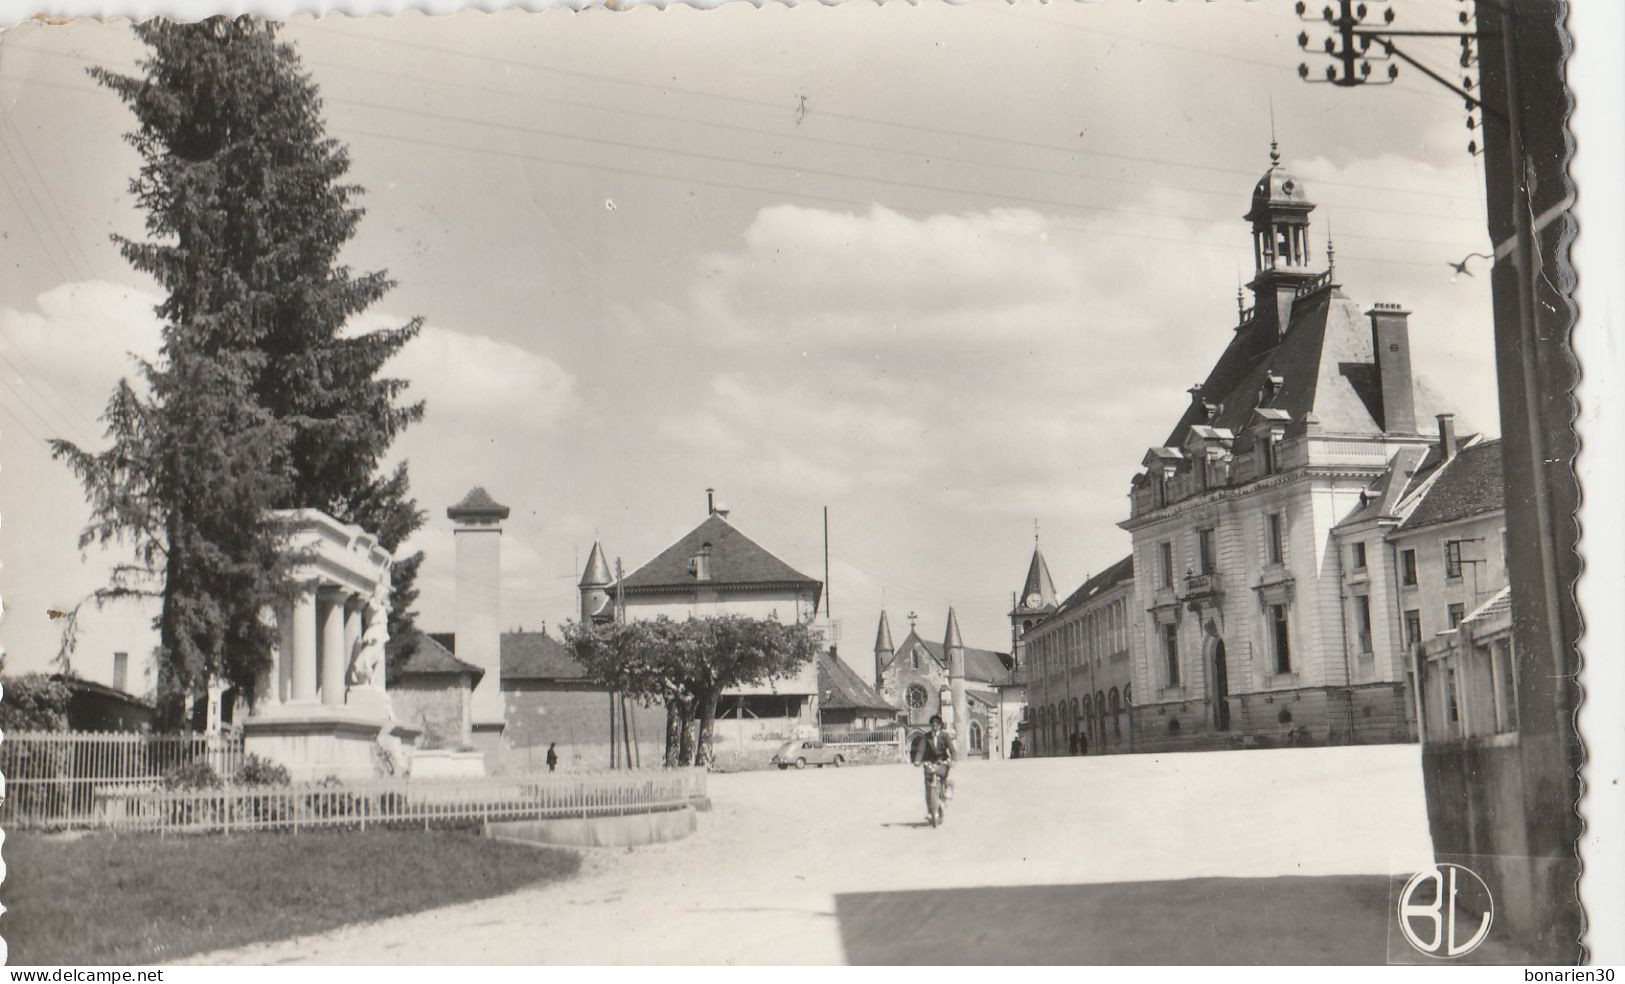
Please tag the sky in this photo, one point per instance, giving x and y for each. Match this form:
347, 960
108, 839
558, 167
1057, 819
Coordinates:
945, 270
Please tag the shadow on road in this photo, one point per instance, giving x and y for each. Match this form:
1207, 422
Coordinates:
1335, 919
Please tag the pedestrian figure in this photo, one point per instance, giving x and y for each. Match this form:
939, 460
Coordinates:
1072, 743
1015, 748
1083, 743
552, 756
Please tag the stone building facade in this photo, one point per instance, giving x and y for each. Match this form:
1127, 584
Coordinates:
1240, 622
1425, 579
1080, 678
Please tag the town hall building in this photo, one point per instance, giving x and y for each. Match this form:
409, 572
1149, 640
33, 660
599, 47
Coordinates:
1240, 621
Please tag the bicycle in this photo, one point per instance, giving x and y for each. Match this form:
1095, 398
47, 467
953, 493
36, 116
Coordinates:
936, 792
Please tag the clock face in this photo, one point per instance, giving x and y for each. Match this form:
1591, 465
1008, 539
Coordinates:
1032, 600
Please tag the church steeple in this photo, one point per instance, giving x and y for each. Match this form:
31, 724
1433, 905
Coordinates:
883, 649
1038, 590
1035, 600
594, 587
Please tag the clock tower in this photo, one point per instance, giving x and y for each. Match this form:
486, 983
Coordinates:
1031, 604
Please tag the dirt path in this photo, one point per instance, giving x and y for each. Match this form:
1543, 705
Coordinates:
758, 883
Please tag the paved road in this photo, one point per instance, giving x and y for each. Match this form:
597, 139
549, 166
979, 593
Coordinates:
827, 866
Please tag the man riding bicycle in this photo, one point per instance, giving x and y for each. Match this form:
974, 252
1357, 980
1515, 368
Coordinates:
937, 757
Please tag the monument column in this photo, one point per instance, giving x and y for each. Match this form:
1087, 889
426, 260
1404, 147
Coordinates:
478, 535
331, 615
302, 646
282, 675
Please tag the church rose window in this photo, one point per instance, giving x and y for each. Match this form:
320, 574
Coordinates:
917, 696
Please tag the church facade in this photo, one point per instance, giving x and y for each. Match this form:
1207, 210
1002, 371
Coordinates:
969, 687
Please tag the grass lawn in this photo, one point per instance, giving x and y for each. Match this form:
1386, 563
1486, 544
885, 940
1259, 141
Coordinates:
144, 899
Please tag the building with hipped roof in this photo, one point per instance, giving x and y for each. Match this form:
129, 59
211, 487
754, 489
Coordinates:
1240, 622
716, 569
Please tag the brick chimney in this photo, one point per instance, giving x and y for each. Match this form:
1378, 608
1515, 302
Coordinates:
1391, 346
1447, 436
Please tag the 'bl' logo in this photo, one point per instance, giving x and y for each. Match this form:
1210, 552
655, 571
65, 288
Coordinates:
1427, 915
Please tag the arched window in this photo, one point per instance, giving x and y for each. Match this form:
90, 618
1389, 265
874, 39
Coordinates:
1117, 717
975, 737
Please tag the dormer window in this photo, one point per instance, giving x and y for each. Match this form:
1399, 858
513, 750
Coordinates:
1269, 453
1270, 390
699, 565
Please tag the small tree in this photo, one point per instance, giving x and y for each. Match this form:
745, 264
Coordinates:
687, 665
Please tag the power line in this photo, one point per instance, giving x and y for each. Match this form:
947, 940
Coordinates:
857, 145
849, 202
850, 117
833, 142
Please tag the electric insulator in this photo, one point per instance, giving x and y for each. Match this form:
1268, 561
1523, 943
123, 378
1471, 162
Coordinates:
1303, 70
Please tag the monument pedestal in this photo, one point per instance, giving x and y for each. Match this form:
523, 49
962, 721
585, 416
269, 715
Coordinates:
315, 741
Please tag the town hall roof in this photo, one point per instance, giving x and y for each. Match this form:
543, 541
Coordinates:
735, 561
1322, 366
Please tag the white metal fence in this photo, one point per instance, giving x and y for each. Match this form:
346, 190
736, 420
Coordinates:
399, 801
52, 778
836, 736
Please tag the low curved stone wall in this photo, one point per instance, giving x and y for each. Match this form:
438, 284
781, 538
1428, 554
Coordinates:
868, 753
631, 830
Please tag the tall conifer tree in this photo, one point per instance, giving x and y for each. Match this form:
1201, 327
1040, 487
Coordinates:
261, 397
